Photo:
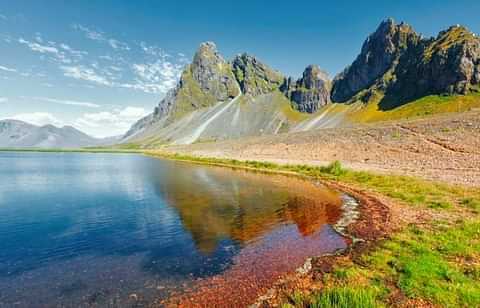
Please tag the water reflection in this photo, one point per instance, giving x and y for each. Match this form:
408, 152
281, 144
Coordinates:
140, 221
218, 203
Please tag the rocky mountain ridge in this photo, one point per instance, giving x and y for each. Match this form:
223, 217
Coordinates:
395, 65
403, 66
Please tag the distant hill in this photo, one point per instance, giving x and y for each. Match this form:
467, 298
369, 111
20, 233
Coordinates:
18, 134
397, 74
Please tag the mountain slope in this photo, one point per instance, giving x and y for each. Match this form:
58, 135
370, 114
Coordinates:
398, 74
217, 100
18, 134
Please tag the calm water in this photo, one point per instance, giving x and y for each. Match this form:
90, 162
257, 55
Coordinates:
123, 230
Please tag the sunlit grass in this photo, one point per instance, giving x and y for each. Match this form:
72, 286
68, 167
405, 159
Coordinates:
437, 262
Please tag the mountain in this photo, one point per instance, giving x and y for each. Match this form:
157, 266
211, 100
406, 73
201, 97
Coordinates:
397, 74
18, 134
311, 92
401, 66
216, 99
379, 53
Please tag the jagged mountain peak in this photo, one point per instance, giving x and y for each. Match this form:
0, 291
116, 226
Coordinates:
255, 77
379, 53
212, 73
312, 75
311, 91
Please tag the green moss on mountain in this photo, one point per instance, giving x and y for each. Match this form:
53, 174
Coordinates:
454, 36
254, 77
190, 96
422, 107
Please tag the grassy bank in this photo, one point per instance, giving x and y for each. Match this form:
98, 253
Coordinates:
79, 150
434, 262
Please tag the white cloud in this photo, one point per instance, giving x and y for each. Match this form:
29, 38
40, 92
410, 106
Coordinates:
101, 37
156, 77
84, 73
38, 47
57, 52
72, 51
38, 118
7, 69
3, 99
65, 102
106, 57
109, 123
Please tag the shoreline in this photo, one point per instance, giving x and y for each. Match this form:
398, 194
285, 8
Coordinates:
359, 230
73, 150
403, 219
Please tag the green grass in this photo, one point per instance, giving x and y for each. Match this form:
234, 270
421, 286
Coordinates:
429, 264
439, 265
345, 298
437, 262
410, 190
340, 297
79, 150
425, 106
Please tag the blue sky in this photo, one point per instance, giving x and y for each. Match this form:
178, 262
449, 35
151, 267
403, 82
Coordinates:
100, 65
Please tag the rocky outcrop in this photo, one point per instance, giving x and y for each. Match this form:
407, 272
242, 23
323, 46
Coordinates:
212, 73
403, 66
254, 77
310, 92
206, 81
448, 64
395, 66
378, 55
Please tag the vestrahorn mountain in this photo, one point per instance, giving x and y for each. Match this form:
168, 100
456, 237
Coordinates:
216, 99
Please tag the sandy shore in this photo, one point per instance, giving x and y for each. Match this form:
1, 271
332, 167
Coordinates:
443, 148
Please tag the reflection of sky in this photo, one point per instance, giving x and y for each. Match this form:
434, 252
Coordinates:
62, 205
181, 219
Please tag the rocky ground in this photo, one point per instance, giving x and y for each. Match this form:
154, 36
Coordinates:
444, 148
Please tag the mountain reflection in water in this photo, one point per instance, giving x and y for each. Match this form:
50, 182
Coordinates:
216, 203
96, 228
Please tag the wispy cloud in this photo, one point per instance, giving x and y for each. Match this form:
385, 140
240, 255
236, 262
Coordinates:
38, 118
85, 73
156, 77
38, 47
100, 36
118, 121
152, 71
3, 99
8, 69
64, 101
58, 52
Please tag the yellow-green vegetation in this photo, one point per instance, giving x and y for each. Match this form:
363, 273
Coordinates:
436, 262
454, 36
190, 96
255, 77
425, 106
335, 297
286, 108
79, 150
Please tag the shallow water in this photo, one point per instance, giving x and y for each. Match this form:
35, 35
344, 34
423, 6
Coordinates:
123, 230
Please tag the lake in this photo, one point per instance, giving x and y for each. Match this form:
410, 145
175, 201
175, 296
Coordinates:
125, 230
